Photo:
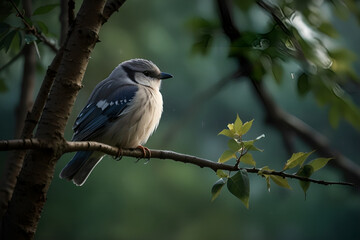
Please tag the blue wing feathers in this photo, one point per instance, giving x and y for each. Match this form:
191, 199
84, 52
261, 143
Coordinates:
93, 118
101, 108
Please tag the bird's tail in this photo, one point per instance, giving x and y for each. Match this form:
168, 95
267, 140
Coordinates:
80, 166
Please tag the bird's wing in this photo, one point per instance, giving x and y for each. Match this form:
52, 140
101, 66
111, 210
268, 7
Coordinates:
101, 109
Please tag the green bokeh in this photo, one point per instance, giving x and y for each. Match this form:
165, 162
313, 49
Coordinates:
164, 199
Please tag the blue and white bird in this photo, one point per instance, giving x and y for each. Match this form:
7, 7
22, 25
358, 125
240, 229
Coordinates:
123, 110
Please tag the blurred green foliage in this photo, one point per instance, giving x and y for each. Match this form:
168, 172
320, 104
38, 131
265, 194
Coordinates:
170, 200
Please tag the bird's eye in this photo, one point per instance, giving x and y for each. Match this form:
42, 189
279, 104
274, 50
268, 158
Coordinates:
147, 73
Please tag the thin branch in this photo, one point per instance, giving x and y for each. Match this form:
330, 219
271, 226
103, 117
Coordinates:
71, 12
278, 17
64, 20
33, 30
111, 6
281, 119
33, 143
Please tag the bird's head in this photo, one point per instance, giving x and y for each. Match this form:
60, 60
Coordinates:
143, 72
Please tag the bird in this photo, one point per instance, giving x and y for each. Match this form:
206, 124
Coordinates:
123, 110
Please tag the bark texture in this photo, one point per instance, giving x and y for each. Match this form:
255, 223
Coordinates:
23, 214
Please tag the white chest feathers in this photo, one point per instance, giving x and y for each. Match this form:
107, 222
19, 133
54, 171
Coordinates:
138, 121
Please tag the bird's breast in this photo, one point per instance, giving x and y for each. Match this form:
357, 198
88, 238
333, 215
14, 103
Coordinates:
138, 121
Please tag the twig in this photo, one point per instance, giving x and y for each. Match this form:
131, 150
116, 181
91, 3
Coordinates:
281, 119
278, 16
33, 30
33, 143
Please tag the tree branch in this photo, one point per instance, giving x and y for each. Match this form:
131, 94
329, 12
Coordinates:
281, 119
64, 20
67, 147
33, 30
278, 16
111, 6
22, 109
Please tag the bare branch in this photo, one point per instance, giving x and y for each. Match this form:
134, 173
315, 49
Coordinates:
111, 7
6, 145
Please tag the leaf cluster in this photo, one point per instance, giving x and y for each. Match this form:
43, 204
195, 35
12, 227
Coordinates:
239, 149
15, 36
326, 67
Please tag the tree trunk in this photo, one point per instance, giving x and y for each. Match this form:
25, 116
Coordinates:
13, 165
23, 214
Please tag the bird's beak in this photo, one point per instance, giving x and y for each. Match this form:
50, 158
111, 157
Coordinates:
164, 75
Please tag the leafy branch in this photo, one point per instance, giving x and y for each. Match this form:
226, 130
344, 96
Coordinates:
239, 149
32, 29
67, 147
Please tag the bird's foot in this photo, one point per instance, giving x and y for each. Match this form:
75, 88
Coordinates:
146, 151
119, 154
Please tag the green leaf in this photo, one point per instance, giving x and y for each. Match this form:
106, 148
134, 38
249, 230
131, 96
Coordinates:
231, 127
319, 163
239, 186
278, 71
303, 85
297, 159
305, 171
282, 182
4, 28
328, 29
238, 124
221, 174
42, 26
227, 132
6, 9
226, 156
216, 189
246, 127
244, 4
267, 177
16, 42
7, 40
29, 38
248, 159
3, 87
249, 145
234, 145
203, 31
45, 9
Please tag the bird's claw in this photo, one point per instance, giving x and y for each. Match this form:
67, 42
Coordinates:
119, 155
146, 152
